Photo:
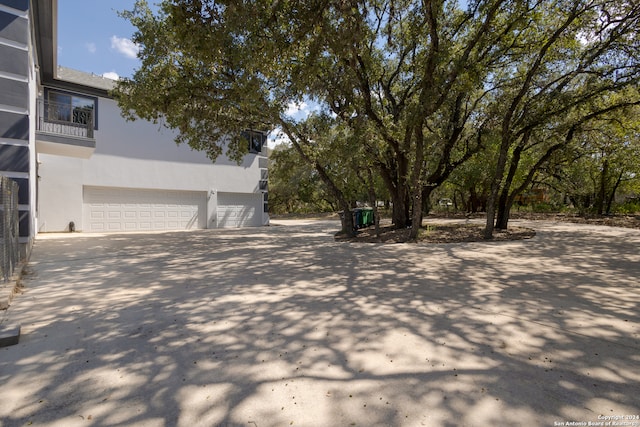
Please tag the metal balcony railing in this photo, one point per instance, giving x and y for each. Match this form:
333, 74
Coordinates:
65, 119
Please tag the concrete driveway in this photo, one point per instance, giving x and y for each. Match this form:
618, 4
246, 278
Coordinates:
282, 326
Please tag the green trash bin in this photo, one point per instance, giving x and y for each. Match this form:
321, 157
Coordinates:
367, 217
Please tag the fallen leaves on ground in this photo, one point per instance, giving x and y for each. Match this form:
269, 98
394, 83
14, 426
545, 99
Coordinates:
437, 233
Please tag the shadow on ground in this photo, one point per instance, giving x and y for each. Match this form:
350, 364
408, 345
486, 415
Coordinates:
283, 326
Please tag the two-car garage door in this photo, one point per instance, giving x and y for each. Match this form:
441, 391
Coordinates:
108, 209
117, 209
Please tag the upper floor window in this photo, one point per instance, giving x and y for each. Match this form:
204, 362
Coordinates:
70, 108
256, 140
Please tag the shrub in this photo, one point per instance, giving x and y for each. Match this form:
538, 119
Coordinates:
628, 207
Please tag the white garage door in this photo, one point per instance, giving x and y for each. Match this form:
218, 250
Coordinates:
239, 210
118, 209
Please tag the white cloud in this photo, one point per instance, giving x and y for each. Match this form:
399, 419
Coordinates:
277, 137
295, 109
91, 47
125, 46
111, 75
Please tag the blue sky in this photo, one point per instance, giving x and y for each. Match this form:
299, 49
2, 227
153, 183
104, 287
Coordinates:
93, 38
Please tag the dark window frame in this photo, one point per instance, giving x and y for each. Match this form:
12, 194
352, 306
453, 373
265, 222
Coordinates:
255, 139
94, 99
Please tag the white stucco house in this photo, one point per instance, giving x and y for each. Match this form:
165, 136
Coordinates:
81, 167
132, 176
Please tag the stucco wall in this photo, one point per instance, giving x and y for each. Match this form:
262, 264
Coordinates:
59, 192
145, 155
133, 155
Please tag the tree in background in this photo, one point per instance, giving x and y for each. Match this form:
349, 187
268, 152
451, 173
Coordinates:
565, 55
615, 150
469, 185
408, 91
413, 71
605, 158
294, 186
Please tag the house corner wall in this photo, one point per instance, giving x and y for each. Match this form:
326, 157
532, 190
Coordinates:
17, 130
60, 198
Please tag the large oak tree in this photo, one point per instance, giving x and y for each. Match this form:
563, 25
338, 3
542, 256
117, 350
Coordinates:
404, 76
413, 87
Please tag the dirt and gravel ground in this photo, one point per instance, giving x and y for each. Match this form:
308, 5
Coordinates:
283, 326
626, 221
438, 233
438, 228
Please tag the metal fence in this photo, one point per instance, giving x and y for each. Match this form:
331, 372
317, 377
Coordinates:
9, 235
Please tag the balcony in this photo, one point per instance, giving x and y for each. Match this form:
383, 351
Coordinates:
64, 129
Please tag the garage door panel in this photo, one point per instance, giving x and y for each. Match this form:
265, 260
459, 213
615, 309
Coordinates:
115, 209
239, 210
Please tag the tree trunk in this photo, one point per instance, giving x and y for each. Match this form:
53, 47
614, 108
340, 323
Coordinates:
504, 202
348, 227
400, 209
603, 188
613, 193
473, 200
504, 211
426, 201
372, 198
416, 217
395, 181
495, 185
502, 216
416, 181
503, 207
